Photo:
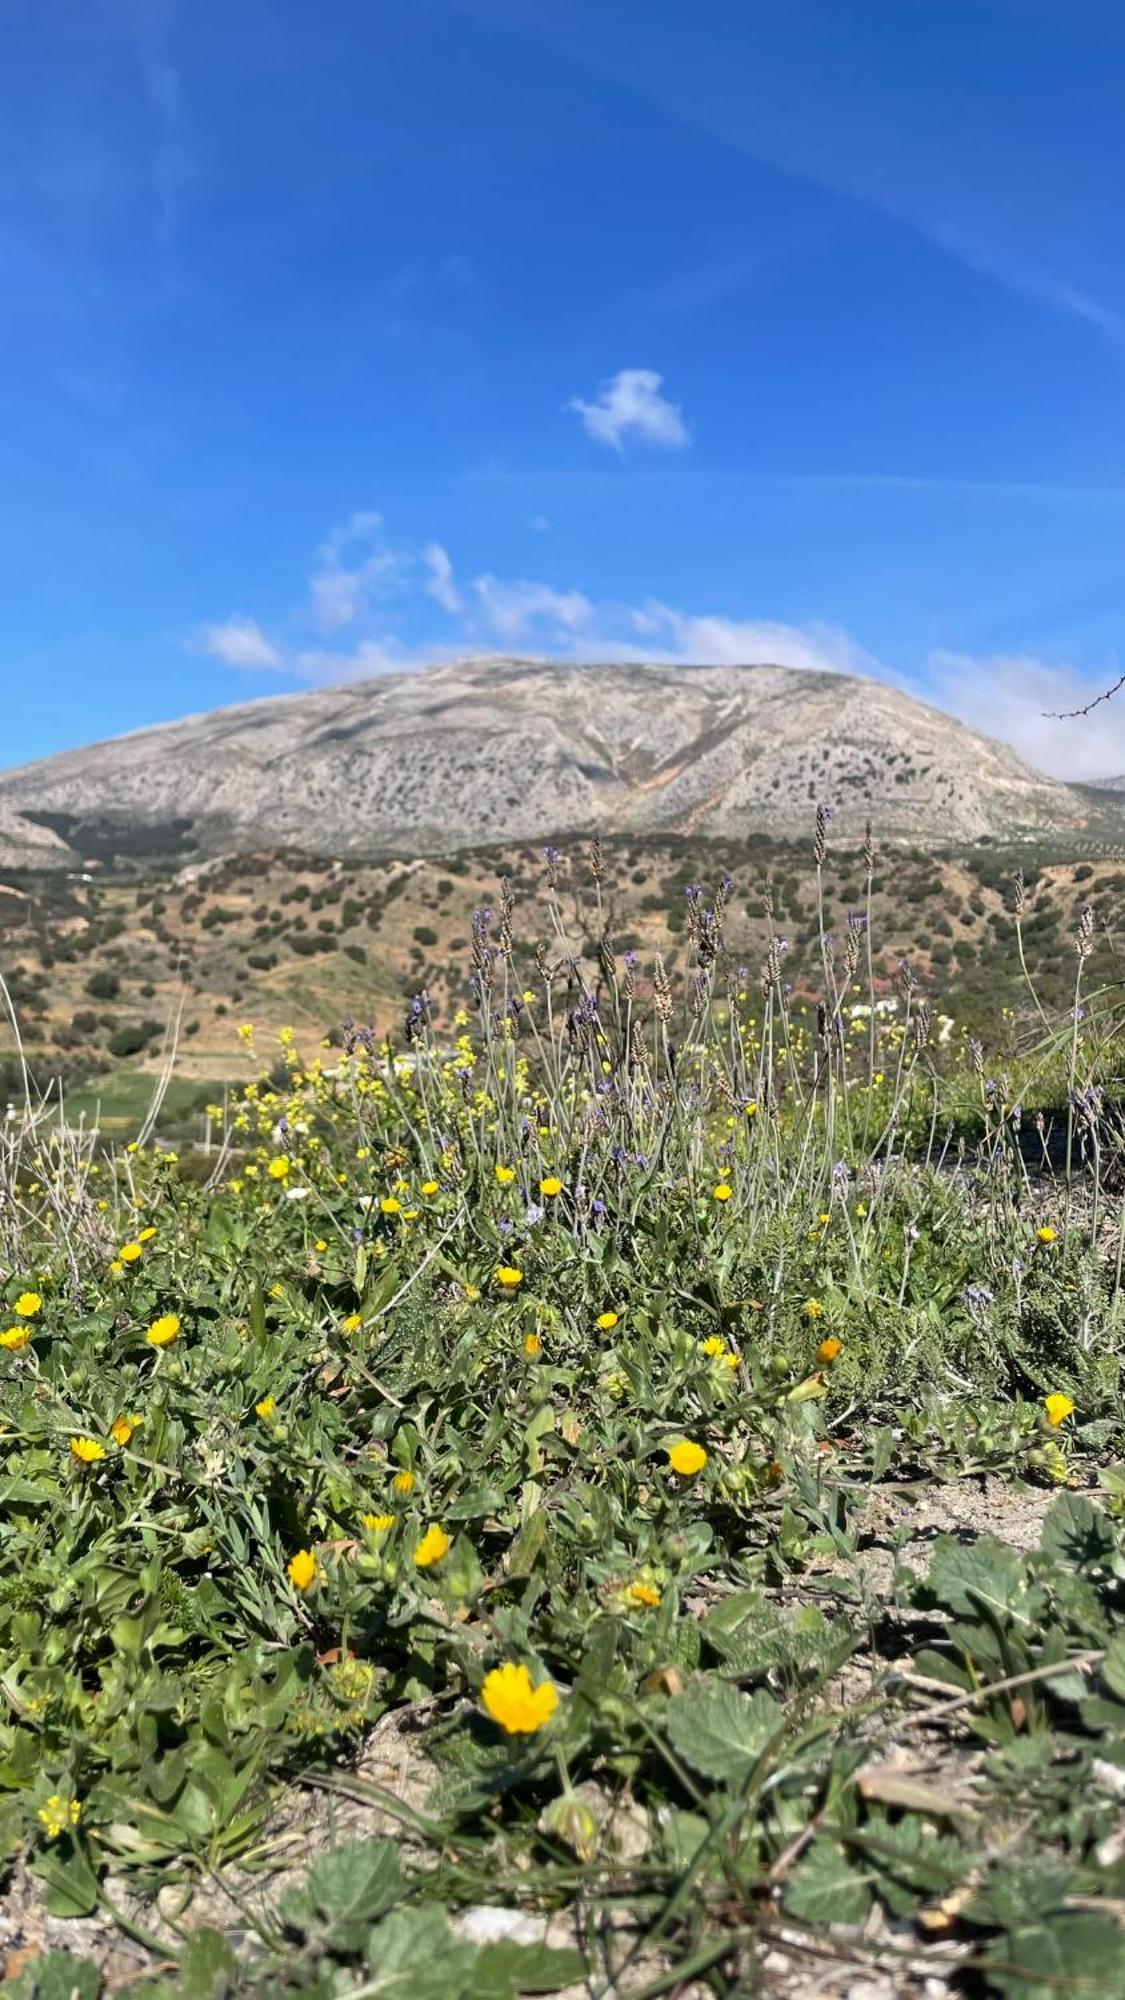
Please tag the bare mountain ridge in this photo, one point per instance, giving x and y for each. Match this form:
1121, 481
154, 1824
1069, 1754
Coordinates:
479, 750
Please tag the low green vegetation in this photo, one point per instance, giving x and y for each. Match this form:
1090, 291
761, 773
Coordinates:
624, 1494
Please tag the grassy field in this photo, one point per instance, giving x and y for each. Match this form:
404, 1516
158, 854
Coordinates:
617, 1490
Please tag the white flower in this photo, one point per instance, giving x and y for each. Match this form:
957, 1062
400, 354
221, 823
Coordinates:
297, 1194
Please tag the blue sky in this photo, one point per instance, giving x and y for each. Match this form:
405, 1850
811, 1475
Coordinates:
338, 338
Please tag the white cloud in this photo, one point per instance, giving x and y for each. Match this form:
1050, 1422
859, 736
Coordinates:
630, 405
352, 564
442, 586
239, 642
515, 610
1022, 700
1014, 698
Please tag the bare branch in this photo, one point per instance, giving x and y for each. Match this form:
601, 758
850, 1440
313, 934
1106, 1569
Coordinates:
1068, 714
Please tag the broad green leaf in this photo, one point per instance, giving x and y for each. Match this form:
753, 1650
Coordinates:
826, 1889
962, 1577
720, 1731
1077, 1533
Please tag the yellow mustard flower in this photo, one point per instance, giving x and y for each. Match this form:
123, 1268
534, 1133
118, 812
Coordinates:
508, 1696
509, 1277
532, 1345
714, 1347
320, 1246
1045, 1235
122, 1428
1058, 1408
432, 1547
430, 1187
27, 1305
117, 1268
391, 1205
379, 1523
86, 1450
607, 1321
15, 1337
266, 1409
146, 1235
303, 1569
813, 1309
352, 1323
505, 1175
279, 1169
686, 1458
828, 1350
722, 1192
552, 1185
57, 1815
404, 1482
164, 1330
130, 1253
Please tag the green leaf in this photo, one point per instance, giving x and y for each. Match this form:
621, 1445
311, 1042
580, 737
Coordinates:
1077, 1533
347, 1889
208, 1967
58, 1975
527, 1968
72, 1886
415, 1956
826, 1889
720, 1731
961, 1577
1078, 1952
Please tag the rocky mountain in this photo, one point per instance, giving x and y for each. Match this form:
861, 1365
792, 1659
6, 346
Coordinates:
487, 749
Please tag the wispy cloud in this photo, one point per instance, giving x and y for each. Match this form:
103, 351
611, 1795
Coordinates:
630, 406
351, 565
171, 168
384, 606
239, 642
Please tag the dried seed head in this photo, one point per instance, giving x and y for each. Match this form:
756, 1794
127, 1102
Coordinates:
607, 961
1019, 892
661, 990
504, 927
1084, 935
597, 859
820, 844
922, 1017
868, 852
638, 1054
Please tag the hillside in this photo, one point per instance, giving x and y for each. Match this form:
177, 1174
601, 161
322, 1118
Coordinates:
504, 749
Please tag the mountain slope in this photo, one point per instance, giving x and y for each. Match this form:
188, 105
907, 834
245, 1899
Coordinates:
502, 748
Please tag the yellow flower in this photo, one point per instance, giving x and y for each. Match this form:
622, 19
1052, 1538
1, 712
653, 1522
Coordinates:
432, 1547
390, 1204
164, 1330
302, 1569
403, 1482
686, 1458
508, 1696
266, 1409
130, 1253
1058, 1408
122, 1428
27, 1305
280, 1168
552, 1185
752, 1109
532, 1345
509, 1277
505, 1175
58, 1815
117, 1269
320, 1245
723, 1192
430, 1187
378, 1523
714, 1347
352, 1323
642, 1593
86, 1450
824, 1218
146, 1235
15, 1337
828, 1350
1045, 1235
606, 1321
813, 1309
